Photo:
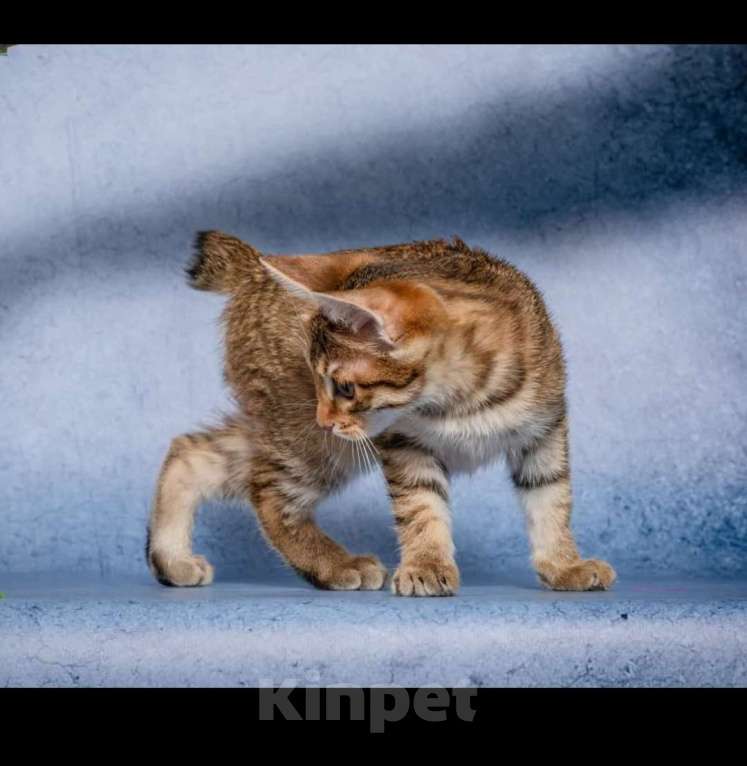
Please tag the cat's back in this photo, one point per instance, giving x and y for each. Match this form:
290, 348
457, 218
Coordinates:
447, 260
265, 343
269, 316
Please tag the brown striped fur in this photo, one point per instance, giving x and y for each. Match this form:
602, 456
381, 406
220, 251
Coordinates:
428, 359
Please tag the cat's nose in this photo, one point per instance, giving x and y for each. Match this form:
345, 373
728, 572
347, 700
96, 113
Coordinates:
324, 417
324, 422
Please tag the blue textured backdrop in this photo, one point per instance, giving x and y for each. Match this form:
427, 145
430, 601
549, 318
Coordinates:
615, 176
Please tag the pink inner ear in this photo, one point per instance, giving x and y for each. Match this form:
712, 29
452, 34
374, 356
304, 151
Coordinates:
338, 308
318, 273
308, 271
362, 321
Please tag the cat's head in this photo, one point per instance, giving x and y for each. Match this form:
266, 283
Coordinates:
368, 348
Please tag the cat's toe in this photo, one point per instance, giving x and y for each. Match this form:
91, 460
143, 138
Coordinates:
437, 578
602, 574
344, 578
591, 574
373, 573
182, 571
359, 573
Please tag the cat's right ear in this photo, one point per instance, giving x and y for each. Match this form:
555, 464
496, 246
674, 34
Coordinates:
318, 273
360, 319
285, 280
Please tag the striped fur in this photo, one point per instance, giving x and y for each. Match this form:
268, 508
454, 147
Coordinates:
426, 359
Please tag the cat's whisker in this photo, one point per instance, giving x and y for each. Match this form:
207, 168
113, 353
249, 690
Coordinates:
364, 452
359, 450
340, 451
358, 456
354, 454
369, 463
371, 451
364, 458
371, 445
307, 433
329, 454
374, 463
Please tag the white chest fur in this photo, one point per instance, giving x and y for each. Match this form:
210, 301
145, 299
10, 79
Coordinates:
466, 443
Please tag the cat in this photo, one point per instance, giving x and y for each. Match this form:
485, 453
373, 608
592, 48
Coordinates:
429, 358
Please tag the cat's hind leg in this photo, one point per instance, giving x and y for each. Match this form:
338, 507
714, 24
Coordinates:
541, 475
198, 467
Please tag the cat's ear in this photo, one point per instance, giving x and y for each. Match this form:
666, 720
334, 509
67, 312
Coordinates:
347, 309
395, 313
285, 280
321, 273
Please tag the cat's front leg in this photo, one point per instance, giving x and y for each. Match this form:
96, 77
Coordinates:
419, 489
541, 475
284, 502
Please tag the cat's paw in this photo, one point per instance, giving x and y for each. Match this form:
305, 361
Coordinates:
590, 574
431, 578
183, 571
355, 573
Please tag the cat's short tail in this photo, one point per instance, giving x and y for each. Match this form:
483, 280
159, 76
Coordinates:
221, 262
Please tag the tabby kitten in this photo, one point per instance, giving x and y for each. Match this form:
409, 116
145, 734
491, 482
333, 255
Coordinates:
430, 358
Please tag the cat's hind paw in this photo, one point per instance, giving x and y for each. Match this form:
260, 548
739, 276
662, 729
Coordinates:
590, 574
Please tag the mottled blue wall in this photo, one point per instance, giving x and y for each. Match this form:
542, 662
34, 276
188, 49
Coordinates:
615, 176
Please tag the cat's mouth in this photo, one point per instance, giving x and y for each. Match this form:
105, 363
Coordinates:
349, 435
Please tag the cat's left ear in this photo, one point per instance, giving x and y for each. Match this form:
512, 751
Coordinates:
347, 308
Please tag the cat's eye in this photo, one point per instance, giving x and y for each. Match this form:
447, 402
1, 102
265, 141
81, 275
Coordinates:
345, 390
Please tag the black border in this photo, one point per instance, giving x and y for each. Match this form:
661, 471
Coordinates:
566, 720
622, 715
399, 24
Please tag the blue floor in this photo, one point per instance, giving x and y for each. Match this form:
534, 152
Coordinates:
68, 631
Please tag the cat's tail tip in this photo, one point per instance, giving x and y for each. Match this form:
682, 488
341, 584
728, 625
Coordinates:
220, 262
